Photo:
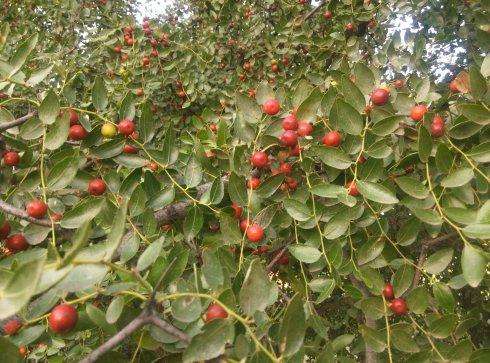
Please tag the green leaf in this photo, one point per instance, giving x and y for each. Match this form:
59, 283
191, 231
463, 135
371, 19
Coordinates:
458, 178
297, 210
10, 352
237, 190
127, 108
443, 327
412, 187
150, 254
162, 199
308, 109
303, 253
80, 240
264, 93
99, 94
210, 343
229, 229
98, 318
333, 157
424, 144
248, 109
62, 174
108, 149
428, 216
49, 108
373, 338
376, 192
211, 269
147, 124
444, 158
370, 250
477, 230
408, 232
116, 234
418, 300
473, 263
293, 327
480, 152
444, 297
387, 125
20, 287
337, 226
114, 310
270, 185
475, 113
342, 341
22, 52
58, 132
84, 211
193, 173
402, 279
257, 291
38, 76
438, 261
403, 341
478, 84
193, 222
345, 117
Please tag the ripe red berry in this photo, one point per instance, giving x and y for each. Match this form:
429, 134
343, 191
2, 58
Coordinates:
437, 129
253, 183
244, 223
4, 230
453, 86
74, 118
16, 242
271, 106
290, 123
12, 326
56, 217
332, 139
255, 233
388, 291
213, 127
154, 53
352, 188
304, 128
11, 158
438, 120
399, 83
289, 138
274, 68
153, 166
291, 183
260, 250
285, 168
295, 151
418, 111
380, 96
361, 160
215, 311
63, 318
117, 48
36, 208
96, 187
77, 132
349, 27
126, 127
139, 92
327, 15
237, 209
129, 149
399, 306
259, 159
23, 351
145, 62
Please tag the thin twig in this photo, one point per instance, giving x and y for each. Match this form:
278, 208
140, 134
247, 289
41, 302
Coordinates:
17, 122
141, 320
276, 258
312, 12
420, 263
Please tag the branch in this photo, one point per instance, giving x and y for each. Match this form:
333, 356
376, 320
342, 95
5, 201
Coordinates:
17, 122
312, 12
141, 320
276, 258
433, 241
10, 209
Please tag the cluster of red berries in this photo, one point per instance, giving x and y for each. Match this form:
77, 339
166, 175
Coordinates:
397, 305
15, 242
77, 132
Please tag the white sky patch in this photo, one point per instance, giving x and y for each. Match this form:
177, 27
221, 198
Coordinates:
151, 8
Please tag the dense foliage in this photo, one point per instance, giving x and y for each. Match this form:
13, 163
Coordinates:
245, 180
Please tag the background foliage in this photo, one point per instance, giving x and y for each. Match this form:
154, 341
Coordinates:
164, 237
